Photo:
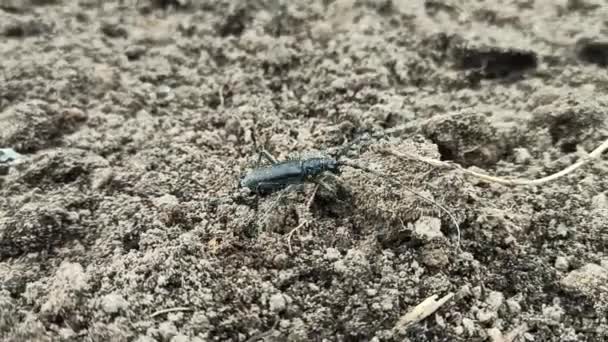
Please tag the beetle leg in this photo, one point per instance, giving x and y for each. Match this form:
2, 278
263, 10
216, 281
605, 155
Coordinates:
268, 156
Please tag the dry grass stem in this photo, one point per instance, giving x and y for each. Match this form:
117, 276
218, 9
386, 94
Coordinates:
511, 182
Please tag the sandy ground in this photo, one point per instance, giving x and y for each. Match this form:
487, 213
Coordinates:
136, 123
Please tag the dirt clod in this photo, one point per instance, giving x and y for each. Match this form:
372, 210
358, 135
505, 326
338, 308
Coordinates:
589, 280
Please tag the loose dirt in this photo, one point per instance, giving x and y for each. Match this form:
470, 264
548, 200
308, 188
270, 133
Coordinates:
137, 120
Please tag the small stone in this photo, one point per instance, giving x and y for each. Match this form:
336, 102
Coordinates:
428, 228
522, 155
101, 177
233, 126
459, 330
166, 200
387, 304
332, 254
495, 335
495, 300
440, 321
340, 267
112, 303
514, 306
599, 202
561, 263
485, 316
167, 330
476, 291
67, 333
280, 260
277, 302
562, 230
371, 292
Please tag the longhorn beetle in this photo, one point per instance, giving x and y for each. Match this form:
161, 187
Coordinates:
279, 175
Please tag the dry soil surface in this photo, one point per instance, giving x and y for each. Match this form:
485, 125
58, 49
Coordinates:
136, 121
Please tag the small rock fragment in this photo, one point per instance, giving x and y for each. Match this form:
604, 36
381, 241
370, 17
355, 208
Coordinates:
513, 306
167, 330
277, 302
495, 300
599, 202
112, 303
485, 316
561, 263
332, 254
495, 335
522, 155
428, 228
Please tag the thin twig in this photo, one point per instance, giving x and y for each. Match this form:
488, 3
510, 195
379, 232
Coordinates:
511, 182
421, 311
305, 222
177, 309
289, 235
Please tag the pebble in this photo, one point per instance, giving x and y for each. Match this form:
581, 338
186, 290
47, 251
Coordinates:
387, 304
278, 302
112, 303
561, 263
495, 300
332, 254
522, 155
485, 316
514, 306
476, 291
428, 228
459, 330
167, 330
599, 202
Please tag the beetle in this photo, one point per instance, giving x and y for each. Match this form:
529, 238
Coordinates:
279, 175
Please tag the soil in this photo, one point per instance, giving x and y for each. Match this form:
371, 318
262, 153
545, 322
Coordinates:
137, 120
